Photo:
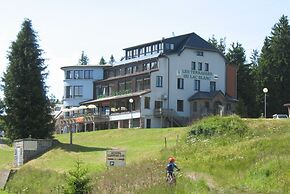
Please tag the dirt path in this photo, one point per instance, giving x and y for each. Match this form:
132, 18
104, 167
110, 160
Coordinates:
196, 176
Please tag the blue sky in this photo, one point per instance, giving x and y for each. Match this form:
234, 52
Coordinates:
102, 28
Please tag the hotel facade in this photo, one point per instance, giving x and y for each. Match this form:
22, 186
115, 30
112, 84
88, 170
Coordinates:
169, 82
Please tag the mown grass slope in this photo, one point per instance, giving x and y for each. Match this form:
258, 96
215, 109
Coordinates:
6, 155
90, 148
254, 160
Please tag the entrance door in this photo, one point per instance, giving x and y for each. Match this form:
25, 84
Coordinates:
18, 156
148, 123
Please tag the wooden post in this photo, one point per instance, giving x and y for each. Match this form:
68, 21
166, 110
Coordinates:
70, 136
165, 142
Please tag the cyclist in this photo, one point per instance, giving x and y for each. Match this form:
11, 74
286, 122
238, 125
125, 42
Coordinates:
170, 166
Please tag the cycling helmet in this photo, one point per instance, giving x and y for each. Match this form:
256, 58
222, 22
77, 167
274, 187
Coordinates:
171, 159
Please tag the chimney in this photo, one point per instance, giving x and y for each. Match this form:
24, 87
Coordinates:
231, 80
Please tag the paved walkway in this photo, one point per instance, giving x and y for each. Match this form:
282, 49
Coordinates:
4, 174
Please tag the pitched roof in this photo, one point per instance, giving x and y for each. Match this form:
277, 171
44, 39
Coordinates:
191, 40
209, 95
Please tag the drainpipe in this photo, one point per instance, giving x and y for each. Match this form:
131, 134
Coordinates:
168, 78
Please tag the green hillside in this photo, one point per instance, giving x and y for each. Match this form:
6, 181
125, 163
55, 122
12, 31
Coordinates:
227, 161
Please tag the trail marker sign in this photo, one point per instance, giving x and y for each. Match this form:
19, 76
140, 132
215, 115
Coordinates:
116, 158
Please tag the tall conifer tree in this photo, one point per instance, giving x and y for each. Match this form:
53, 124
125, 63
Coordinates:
274, 68
84, 60
27, 105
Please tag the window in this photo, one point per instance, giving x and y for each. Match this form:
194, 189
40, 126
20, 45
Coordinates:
68, 92
98, 91
180, 105
159, 80
88, 74
154, 65
139, 85
129, 85
194, 107
199, 53
105, 90
160, 46
129, 54
141, 51
147, 102
128, 70
135, 53
193, 66
155, 47
78, 74
197, 85
180, 83
148, 49
206, 105
169, 46
121, 86
212, 86
145, 67
229, 107
206, 68
69, 75
146, 83
158, 104
200, 66
78, 91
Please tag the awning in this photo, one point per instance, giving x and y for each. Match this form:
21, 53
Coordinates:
117, 97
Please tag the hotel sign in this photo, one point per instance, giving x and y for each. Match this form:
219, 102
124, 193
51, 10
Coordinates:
194, 74
116, 158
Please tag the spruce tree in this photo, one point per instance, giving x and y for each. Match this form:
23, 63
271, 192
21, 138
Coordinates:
112, 60
27, 105
84, 60
102, 61
274, 68
221, 45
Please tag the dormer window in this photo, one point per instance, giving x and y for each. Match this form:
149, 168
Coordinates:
199, 53
169, 46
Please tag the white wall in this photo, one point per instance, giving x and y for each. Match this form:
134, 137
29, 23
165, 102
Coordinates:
86, 83
183, 62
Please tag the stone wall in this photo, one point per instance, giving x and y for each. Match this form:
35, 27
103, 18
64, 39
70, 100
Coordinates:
27, 149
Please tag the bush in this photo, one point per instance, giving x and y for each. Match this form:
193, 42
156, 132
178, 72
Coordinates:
217, 125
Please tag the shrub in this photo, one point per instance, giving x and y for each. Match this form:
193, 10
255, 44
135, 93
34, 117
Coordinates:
77, 180
217, 125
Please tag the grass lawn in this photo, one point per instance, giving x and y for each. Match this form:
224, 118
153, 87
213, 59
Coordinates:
6, 156
90, 147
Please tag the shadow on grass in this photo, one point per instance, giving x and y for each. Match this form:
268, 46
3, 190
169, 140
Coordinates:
79, 148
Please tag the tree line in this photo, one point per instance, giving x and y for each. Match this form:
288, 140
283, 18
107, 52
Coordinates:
268, 69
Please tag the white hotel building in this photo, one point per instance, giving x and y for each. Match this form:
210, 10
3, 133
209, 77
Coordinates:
169, 82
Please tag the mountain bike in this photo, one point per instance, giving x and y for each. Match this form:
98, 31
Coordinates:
171, 178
